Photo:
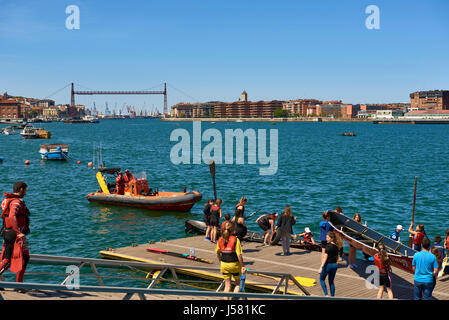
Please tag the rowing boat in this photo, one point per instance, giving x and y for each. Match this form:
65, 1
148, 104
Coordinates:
366, 239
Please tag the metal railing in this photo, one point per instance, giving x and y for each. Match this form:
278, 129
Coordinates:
280, 287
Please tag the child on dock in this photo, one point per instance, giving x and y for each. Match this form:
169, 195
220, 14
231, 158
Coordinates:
284, 226
229, 253
206, 218
437, 244
382, 262
437, 253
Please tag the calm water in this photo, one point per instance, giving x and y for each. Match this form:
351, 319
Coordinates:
372, 173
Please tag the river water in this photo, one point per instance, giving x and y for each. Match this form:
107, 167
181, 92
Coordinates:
372, 173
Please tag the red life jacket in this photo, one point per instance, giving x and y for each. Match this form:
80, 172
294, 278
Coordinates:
10, 202
215, 210
308, 237
228, 253
243, 207
418, 238
379, 264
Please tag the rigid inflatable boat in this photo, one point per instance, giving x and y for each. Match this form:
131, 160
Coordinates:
137, 194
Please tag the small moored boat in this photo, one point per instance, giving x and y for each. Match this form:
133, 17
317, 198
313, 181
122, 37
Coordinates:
54, 151
9, 131
29, 132
348, 134
138, 194
365, 239
43, 134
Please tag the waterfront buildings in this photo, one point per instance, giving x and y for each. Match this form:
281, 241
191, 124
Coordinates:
193, 110
435, 99
12, 108
299, 107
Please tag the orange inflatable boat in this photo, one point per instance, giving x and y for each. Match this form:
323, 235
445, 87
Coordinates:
138, 194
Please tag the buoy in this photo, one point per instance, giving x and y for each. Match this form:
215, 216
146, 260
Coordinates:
27, 162
90, 164
78, 162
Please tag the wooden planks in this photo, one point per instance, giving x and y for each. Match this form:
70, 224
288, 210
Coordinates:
348, 282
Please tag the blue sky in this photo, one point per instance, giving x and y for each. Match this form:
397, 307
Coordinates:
213, 50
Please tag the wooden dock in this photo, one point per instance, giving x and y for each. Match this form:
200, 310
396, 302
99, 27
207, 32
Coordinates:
301, 263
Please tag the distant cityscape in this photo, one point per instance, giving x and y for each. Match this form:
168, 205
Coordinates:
432, 104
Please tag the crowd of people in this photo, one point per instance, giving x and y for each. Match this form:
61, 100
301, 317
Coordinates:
427, 262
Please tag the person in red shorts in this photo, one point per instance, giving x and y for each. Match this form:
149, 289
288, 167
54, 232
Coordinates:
382, 262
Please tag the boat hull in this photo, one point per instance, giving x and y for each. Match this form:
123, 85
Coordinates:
179, 203
54, 155
366, 239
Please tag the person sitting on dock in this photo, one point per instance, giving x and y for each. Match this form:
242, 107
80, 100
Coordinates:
418, 236
396, 234
266, 223
307, 235
230, 254
16, 224
120, 184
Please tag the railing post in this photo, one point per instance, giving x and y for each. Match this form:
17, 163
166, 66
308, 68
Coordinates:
94, 269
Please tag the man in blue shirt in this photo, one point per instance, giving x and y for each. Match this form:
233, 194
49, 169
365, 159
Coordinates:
425, 266
395, 235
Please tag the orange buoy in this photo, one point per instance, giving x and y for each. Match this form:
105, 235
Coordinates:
27, 162
90, 164
78, 162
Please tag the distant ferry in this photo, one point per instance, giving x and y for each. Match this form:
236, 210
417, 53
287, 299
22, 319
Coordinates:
29, 132
92, 119
54, 151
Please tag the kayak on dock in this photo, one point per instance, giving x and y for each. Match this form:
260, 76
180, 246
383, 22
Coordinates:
365, 239
199, 228
138, 194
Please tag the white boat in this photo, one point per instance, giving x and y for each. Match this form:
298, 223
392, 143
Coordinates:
9, 131
29, 132
91, 118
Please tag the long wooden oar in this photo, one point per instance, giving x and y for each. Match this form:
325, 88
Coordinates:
212, 172
443, 266
179, 255
410, 237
